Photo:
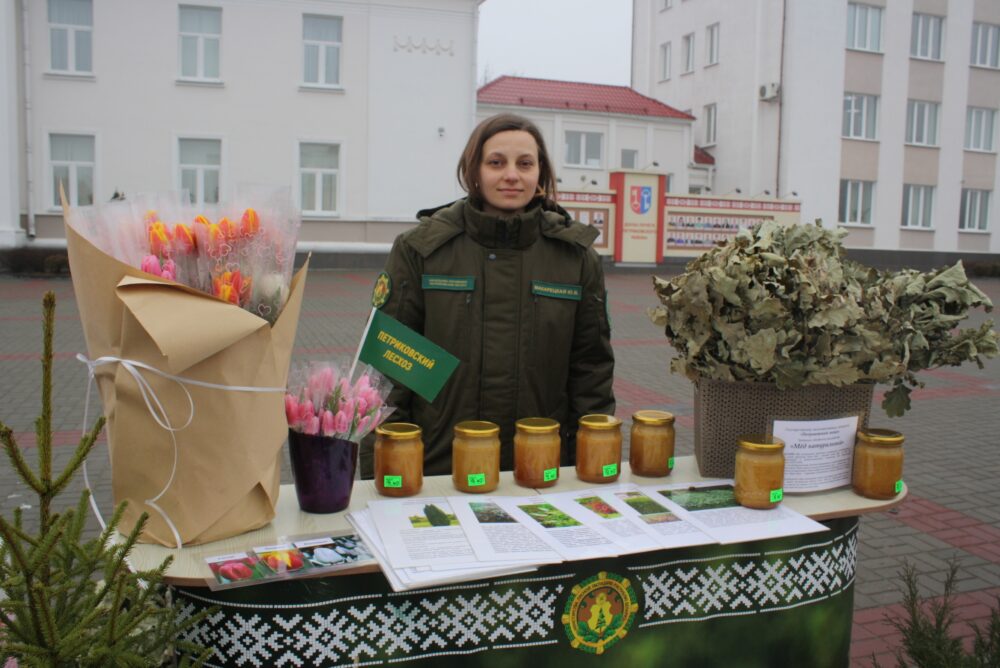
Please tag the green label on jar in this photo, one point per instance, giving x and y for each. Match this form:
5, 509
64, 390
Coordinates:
610, 470
777, 495
548, 475
477, 479
392, 481
899, 486
670, 463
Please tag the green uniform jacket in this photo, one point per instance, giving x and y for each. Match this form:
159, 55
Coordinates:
525, 313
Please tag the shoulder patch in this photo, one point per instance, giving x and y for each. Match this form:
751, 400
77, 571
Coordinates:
382, 290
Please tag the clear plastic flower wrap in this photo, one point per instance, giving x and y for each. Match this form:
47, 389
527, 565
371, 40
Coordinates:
322, 400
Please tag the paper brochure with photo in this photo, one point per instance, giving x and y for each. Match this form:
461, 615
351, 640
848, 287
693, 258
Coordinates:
421, 532
590, 508
331, 553
712, 507
667, 527
282, 558
819, 454
236, 570
496, 535
573, 538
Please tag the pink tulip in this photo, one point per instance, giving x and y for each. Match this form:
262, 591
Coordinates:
363, 423
362, 406
291, 410
341, 422
328, 423
306, 410
151, 265
312, 426
169, 270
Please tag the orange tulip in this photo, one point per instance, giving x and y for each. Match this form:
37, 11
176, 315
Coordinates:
184, 240
228, 228
159, 239
250, 223
151, 217
232, 287
202, 220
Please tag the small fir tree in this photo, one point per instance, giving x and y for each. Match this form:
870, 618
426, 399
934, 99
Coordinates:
70, 601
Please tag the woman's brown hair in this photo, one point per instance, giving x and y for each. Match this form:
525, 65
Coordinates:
472, 156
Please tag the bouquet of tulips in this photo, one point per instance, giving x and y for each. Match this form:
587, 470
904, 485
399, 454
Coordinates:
322, 400
241, 253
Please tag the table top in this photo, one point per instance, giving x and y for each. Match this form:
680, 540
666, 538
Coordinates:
189, 567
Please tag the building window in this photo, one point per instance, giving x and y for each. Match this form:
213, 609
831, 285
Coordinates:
71, 31
980, 126
925, 37
666, 4
689, 53
921, 123
200, 36
860, 116
975, 211
918, 203
72, 163
712, 44
985, 45
710, 114
200, 167
321, 41
583, 149
864, 27
319, 175
856, 198
630, 158
665, 61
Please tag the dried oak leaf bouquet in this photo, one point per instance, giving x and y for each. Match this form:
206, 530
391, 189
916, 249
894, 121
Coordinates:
781, 304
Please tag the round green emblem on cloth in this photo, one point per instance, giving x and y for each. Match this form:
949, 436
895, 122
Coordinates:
599, 612
382, 290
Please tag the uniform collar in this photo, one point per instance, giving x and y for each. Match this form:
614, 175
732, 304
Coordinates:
517, 232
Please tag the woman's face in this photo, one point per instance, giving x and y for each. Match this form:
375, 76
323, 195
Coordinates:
508, 175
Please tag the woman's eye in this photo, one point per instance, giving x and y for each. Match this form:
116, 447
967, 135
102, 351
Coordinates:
527, 164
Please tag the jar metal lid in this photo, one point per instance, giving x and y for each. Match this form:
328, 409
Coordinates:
761, 443
537, 425
884, 437
399, 430
596, 421
476, 428
653, 417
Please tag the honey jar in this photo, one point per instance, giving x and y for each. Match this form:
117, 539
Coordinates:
475, 457
760, 471
651, 443
536, 452
878, 464
399, 459
599, 448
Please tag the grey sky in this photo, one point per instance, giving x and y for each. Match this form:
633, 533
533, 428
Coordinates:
571, 40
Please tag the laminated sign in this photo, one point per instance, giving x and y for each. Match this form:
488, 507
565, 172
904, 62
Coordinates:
405, 356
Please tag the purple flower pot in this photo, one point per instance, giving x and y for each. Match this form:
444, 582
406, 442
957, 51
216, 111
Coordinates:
323, 468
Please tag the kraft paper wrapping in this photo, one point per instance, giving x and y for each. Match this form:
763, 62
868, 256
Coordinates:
229, 456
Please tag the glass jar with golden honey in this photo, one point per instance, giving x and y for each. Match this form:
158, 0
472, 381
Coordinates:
599, 448
475, 457
651, 443
399, 459
537, 448
760, 471
878, 464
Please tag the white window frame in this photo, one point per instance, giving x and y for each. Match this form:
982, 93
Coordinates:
864, 27
974, 214
322, 47
711, 124
688, 46
200, 170
712, 45
980, 129
73, 31
853, 195
666, 4
583, 134
665, 61
922, 122
985, 47
202, 39
318, 173
927, 37
635, 155
918, 207
859, 105
72, 187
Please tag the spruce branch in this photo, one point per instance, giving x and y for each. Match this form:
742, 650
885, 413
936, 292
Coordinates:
17, 459
80, 455
43, 426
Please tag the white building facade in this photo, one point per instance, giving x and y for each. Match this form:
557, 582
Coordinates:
361, 108
880, 116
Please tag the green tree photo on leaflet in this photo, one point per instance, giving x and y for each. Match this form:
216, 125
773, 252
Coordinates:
70, 601
436, 517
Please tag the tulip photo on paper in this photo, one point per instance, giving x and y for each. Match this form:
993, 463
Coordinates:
322, 400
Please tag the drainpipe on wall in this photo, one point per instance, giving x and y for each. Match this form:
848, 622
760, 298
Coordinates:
781, 93
29, 163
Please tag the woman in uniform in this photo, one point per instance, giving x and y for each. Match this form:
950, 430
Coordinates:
507, 282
